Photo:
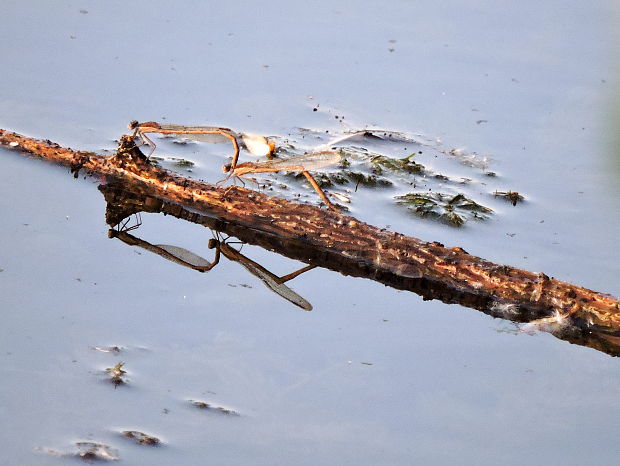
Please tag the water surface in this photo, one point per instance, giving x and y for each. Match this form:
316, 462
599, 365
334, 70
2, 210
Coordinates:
371, 375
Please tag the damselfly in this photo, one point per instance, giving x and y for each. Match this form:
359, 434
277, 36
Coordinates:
256, 145
303, 163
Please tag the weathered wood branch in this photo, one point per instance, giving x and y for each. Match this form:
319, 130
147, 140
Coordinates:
430, 269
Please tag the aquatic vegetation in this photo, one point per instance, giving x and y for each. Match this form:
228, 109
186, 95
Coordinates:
214, 408
141, 437
365, 167
511, 196
183, 163
87, 452
362, 179
405, 164
450, 209
96, 451
373, 158
345, 162
325, 180
328, 180
117, 374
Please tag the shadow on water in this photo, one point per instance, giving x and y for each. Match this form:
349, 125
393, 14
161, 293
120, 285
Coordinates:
125, 202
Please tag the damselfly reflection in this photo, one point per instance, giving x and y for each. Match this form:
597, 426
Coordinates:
222, 246
255, 144
303, 163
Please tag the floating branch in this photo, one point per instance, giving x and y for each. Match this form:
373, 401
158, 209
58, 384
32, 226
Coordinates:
431, 269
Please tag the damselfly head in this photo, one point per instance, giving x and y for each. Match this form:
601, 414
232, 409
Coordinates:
226, 168
212, 243
133, 124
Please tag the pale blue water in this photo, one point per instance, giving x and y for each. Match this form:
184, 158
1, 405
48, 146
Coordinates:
371, 375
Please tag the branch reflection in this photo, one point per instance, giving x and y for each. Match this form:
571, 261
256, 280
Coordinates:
124, 201
188, 259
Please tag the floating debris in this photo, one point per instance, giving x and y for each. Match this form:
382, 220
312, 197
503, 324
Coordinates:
107, 349
211, 407
511, 196
505, 310
96, 451
556, 323
469, 159
87, 451
117, 373
340, 197
450, 209
372, 134
141, 437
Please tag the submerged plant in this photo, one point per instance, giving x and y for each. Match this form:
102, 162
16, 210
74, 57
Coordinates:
448, 208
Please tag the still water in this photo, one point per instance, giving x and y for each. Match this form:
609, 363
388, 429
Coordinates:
371, 375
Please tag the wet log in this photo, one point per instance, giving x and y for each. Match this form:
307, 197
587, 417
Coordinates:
430, 269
